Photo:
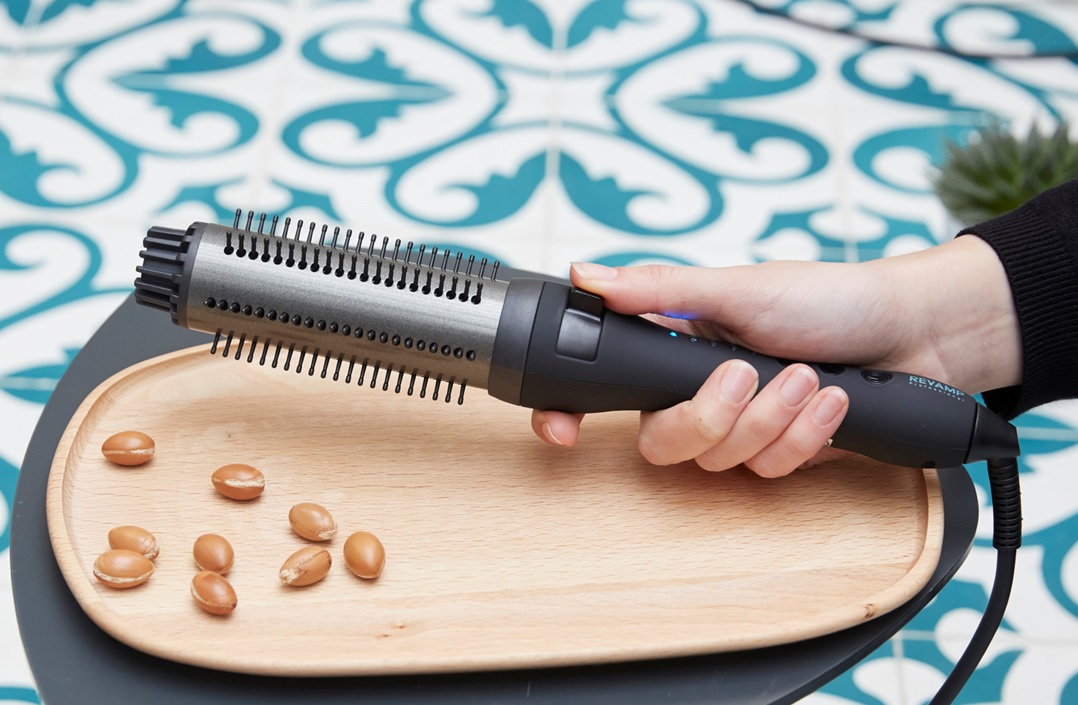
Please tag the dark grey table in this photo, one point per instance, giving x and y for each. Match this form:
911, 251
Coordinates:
76, 663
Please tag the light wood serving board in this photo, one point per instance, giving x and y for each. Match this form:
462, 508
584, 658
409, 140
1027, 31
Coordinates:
502, 552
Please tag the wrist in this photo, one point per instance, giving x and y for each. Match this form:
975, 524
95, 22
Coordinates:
968, 333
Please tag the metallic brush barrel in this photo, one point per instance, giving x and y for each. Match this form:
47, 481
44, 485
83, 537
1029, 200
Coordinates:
329, 304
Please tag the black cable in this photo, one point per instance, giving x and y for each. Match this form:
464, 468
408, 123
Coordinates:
850, 31
1006, 538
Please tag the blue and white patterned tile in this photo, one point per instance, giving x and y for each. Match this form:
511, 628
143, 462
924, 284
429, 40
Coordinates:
420, 134
686, 149
538, 132
1013, 672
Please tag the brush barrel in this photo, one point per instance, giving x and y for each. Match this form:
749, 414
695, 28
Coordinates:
418, 319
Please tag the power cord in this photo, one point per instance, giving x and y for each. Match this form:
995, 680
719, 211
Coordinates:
1006, 538
850, 31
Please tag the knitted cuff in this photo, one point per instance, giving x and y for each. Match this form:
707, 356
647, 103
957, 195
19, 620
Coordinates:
1038, 246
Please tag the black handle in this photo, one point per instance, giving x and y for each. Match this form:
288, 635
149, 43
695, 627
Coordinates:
582, 358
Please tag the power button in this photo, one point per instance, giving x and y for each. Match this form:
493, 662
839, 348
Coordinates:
876, 377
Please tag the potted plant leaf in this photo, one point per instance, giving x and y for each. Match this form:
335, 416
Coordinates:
997, 171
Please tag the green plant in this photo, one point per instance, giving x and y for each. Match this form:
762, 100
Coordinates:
996, 171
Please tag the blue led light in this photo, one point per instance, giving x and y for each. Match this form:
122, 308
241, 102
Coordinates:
673, 334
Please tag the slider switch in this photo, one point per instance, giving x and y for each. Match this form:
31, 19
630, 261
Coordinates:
581, 324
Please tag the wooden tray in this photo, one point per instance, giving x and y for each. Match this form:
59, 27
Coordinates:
502, 552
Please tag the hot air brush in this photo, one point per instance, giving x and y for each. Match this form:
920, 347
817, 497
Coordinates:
430, 323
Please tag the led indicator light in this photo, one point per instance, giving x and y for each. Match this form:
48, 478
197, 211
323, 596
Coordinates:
673, 334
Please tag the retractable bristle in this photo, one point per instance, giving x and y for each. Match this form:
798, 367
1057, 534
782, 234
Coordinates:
384, 261
363, 259
385, 373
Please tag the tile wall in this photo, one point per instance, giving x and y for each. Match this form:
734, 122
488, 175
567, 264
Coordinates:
705, 132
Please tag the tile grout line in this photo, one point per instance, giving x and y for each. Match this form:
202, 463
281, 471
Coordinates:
270, 139
559, 42
33, 16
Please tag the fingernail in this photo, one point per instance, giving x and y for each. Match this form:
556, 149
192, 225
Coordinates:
549, 433
796, 388
829, 408
590, 270
738, 382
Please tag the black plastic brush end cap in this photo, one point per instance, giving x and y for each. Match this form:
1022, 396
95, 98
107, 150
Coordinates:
162, 270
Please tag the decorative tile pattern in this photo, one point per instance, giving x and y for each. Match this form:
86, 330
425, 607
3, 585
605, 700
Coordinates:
624, 131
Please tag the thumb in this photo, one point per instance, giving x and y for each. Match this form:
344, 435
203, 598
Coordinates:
679, 292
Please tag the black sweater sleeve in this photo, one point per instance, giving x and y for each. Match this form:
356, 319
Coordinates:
1038, 246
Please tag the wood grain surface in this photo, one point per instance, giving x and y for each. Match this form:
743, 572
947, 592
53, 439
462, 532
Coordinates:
502, 552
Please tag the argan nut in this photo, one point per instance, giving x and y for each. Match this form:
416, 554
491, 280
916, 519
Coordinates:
306, 566
213, 553
121, 568
312, 521
364, 555
128, 448
239, 481
134, 538
213, 593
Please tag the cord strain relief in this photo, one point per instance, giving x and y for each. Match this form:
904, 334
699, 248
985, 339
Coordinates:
1006, 503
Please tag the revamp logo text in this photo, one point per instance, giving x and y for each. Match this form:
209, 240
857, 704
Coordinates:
926, 383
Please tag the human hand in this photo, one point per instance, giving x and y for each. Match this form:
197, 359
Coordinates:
930, 313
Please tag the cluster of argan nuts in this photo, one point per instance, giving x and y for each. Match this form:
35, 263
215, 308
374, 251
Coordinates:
132, 550
363, 552
129, 562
